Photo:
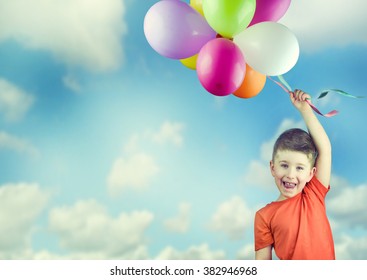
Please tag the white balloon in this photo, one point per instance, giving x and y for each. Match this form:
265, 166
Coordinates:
269, 48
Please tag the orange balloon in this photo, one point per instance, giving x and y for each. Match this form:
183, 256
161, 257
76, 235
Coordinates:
252, 84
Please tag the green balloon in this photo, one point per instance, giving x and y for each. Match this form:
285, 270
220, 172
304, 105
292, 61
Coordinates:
229, 17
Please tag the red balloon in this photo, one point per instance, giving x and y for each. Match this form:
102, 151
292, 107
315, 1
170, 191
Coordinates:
221, 67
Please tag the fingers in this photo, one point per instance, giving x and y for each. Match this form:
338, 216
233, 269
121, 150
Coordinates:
300, 95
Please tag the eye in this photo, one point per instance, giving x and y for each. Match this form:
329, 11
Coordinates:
284, 165
300, 168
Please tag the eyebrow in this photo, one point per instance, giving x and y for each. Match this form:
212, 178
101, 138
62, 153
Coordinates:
284, 161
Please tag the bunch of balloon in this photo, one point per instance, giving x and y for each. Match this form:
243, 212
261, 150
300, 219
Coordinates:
232, 45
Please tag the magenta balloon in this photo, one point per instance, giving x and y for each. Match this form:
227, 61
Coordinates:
221, 67
175, 30
269, 10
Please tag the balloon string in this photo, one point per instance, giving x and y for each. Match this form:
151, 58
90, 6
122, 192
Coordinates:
341, 92
286, 87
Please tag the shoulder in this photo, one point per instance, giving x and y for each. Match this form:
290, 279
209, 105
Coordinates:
261, 214
316, 183
316, 187
266, 212
264, 209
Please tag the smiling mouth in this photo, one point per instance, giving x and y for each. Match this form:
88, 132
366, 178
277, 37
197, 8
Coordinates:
289, 186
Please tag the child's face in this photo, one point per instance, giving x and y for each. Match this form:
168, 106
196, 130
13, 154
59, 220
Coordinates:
291, 171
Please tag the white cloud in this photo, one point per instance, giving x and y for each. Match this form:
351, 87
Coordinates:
136, 172
11, 142
233, 217
346, 205
77, 32
133, 145
136, 169
88, 231
20, 206
246, 253
337, 184
14, 101
201, 252
351, 248
170, 132
349, 206
258, 174
327, 23
138, 253
181, 222
72, 83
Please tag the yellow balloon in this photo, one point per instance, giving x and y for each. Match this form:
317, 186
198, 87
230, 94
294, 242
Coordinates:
190, 62
197, 5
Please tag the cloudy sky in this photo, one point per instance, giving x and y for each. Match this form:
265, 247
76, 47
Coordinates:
110, 151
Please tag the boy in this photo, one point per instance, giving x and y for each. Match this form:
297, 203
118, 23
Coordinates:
296, 225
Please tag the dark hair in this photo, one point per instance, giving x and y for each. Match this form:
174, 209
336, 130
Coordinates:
296, 139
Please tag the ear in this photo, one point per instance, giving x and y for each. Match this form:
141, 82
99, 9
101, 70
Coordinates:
312, 173
272, 168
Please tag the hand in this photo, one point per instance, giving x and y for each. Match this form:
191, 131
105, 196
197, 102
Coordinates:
298, 98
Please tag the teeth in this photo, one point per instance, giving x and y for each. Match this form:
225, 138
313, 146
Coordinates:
289, 185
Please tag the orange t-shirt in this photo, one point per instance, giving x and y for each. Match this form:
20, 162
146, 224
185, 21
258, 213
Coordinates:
297, 227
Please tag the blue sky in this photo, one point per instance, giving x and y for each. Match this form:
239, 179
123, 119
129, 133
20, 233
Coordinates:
110, 151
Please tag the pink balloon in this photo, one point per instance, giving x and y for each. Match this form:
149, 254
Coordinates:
269, 10
175, 30
221, 67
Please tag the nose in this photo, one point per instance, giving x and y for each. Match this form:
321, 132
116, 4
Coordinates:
291, 173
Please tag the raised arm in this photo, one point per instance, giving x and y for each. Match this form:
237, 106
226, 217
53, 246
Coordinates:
318, 134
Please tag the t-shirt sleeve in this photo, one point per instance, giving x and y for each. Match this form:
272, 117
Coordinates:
317, 188
263, 235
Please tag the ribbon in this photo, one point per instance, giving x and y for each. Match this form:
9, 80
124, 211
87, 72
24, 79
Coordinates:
287, 88
342, 92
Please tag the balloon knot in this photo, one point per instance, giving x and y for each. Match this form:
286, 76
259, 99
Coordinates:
220, 36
